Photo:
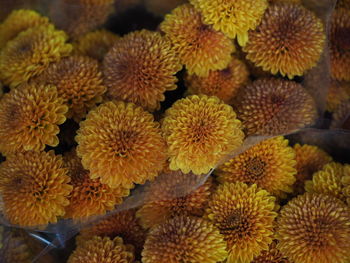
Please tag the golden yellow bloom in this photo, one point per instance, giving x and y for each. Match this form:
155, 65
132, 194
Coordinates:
29, 118
245, 216
289, 40
102, 250
314, 228
270, 164
161, 7
34, 187
271, 255
338, 92
199, 47
221, 83
341, 117
184, 239
89, 196
95, 44
200, 131
274, 106
78, 81
121, 144
18, 21
139, 68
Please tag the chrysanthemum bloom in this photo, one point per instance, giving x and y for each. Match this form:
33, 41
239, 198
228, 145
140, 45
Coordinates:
340, 44
121, 144
271, 255
13, 249
89, 196
245, 216
314, 228
200, 131
18, 21
234, 17
78, 81
310, 159
123, 224
184, 239
139, 68
29, 118
199, 47
345, 180
270, 164
289, 40
160, 7
95, 44
167, 197
274, 106
34, 188
31, 52
341, 117
102, 250
338, 92
221, 83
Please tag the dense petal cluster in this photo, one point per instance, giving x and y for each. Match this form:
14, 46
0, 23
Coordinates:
341, 117
338, 92
271, 255
345, 180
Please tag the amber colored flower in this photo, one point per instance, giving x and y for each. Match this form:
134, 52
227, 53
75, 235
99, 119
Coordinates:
314, 228
123, 224
274, 106
271, 255
340, 44
270, 164
95, 44
341, 117
338, 92
29, 118
161, 7
200, 131
199, 47
13, 248
121, 144
89, 196
34, 188
139, 68
245, 216
221, 83
78, 81
102, 250
171, 194
184, 239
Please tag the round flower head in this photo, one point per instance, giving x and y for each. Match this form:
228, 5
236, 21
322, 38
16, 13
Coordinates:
102, 250
200, 131
167, 197
338, 92
18, 21
233, 17
340, 44
314, 228
95, 44
29, 118
78, 81
121, 144
271, 255
270, 164
199, 47
345, 180
31, 52
245, 216
161, 7
184, 239
139, 68
289, 40
274, 106
34, 187
89, 196
223, 84
341, 117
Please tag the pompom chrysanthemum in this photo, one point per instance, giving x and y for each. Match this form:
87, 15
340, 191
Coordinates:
29, 118
269, 164
314, 228
200, 131
338, 92
102, 250
221, 83
121, 144
139, 68
341, 117
184, 239
34, 187
245, 216
233, 17
161, 7
289, 40
31, 52
199, 47
274, 106
78, 81
271, 255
